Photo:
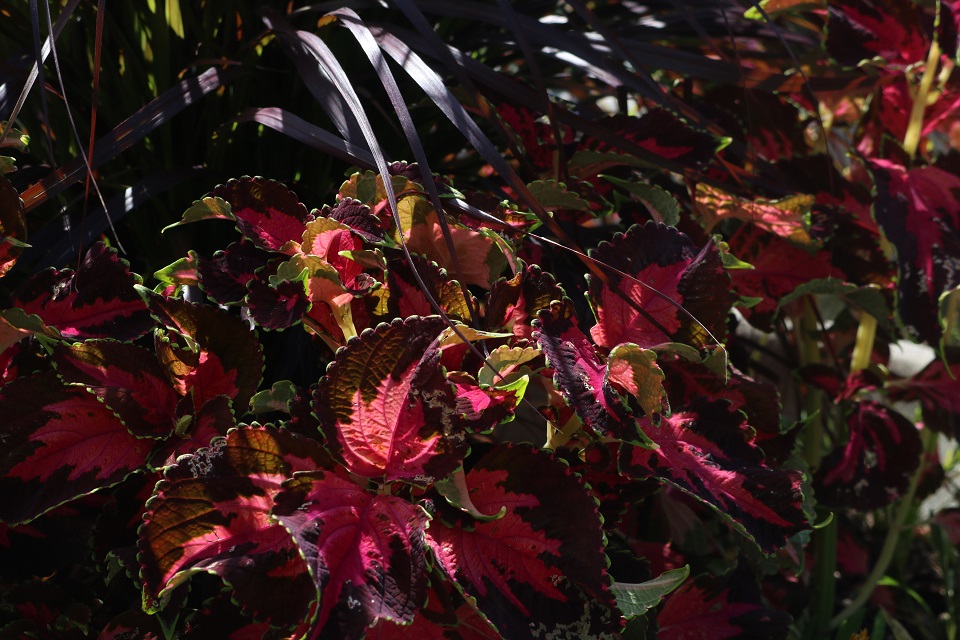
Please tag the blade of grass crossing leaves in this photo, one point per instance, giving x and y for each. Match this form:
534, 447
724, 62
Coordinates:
352, 21
76, 134
332, 67
152, 115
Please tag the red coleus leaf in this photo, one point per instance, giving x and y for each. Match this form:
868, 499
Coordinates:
513, 304
266, 212
223, 359
386, 407
706, 450
920, 215
779, 267
662, 133
482, 408
273, 302
215, 418
358, 217
365, 552
98, 301
225, 276
859, 30
667, 260
446, 616
581, 376
874, 467
787, 217
127, 378
325, 237
59, 443
405, 297
715, 608
211, 513
937, 387
540, 569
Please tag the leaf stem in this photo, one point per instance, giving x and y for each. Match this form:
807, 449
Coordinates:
911, 139
809, 350
904, 509
863, 348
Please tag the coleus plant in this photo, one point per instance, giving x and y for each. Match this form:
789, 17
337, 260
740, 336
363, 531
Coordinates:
498, 447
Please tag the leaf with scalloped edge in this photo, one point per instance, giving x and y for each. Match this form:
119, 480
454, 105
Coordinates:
875, 465
277, 301
365, 551
937, 388
386, 408
206, 208
666, 259
357, 216
714, 608
59, 443
194, 431
540, 569
96, 301
266, 212
513, 304
483, 408
127, 378
636, 370
222, 355
182, 272
446, 616
706, 451
860, 30
211, 514
581, 376
919, 214
224, 277
787, 217
505, 360
637, 599
402, 295
327, 238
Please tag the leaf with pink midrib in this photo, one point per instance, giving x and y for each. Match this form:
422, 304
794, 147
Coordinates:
59, 443
365, 551
386, 408
542, 561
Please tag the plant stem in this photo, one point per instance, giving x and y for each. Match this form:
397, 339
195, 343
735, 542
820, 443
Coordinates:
904, 509
810, 354
863, 349
824, 582
911, 139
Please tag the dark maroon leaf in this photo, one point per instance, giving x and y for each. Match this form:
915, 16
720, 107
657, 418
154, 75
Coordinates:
60, 443
358, 217
706, 450
715, 608
127, 378
937, 387
859, 30
668, 261
12, 226
513, 304
211, 513
874, 467
274, 303
482, 408
919, 213
365, 551
405, 297
267, 212
581, 376
386, 408
779, 267
540, 569
662, 133
98, 301
227, 360
225, 276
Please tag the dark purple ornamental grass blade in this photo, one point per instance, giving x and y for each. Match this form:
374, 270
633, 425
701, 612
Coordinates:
96, 301
211, 513
127, 378
366, 552
663, 258
386, 408
874, 467
706, 450
920, 215
540, 569
60, 443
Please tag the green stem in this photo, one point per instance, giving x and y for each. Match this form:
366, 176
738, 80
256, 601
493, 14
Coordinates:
904, 509
809, 350
824, 582
863, 349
